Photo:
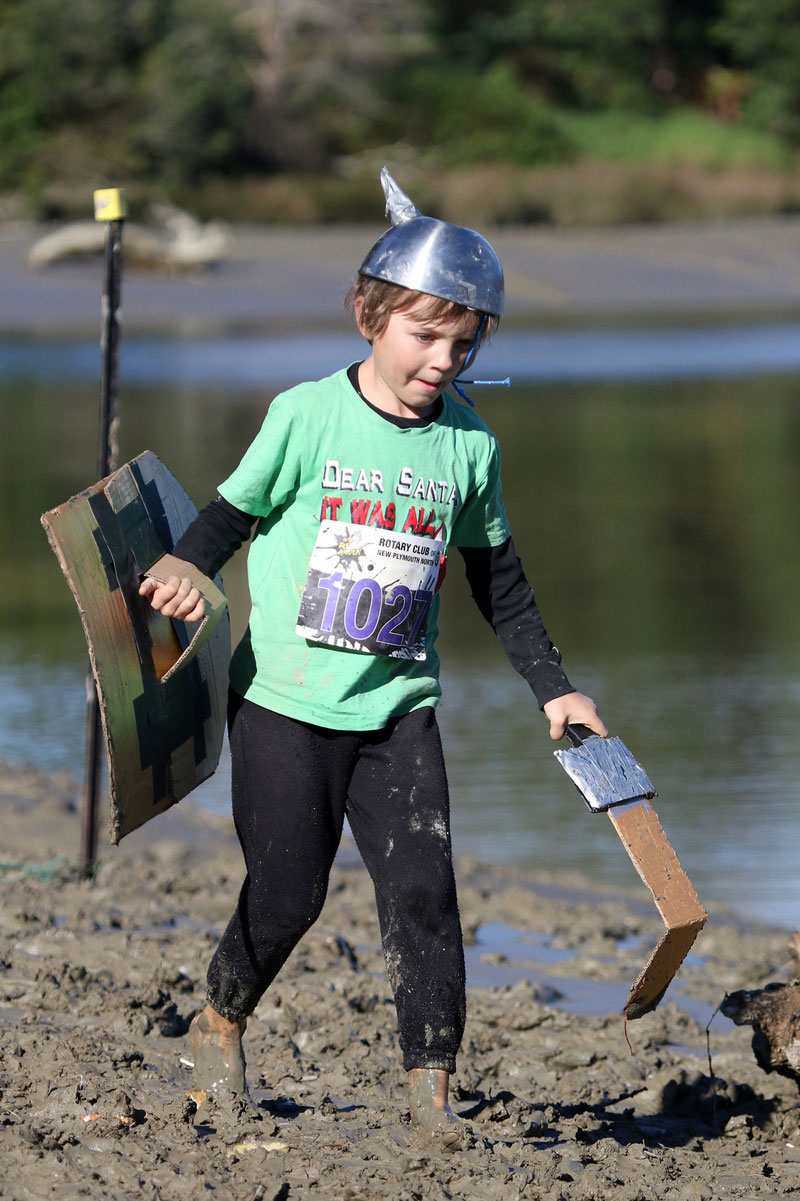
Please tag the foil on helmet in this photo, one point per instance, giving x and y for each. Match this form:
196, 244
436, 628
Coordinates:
436, 257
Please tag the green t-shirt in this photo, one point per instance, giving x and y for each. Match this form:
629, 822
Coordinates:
355, 516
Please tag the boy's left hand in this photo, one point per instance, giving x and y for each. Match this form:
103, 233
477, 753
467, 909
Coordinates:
573, 709
174, 597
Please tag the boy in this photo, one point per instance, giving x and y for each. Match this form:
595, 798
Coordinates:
358, 484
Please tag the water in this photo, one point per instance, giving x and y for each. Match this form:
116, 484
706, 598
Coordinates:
652, 479
502, 956
558, 355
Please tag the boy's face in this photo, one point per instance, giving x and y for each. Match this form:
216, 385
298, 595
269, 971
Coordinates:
414, 359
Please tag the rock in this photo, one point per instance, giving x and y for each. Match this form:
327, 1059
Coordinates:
774, 1014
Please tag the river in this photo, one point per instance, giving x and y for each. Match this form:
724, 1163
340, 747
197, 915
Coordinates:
652, 479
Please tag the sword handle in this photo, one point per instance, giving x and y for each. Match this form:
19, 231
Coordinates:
577, 734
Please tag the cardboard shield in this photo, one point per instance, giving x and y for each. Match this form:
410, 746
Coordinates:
161, 685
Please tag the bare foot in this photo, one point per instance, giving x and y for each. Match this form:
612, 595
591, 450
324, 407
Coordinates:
216, 1047
431, 1115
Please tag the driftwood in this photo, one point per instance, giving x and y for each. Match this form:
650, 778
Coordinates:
774, 1014
176, 241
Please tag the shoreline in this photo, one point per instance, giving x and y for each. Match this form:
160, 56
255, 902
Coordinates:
277, 278
100, 978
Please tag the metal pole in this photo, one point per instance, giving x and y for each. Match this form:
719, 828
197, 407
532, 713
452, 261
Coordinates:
112, 287
109, 206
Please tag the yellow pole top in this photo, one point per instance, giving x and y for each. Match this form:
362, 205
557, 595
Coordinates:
110, 205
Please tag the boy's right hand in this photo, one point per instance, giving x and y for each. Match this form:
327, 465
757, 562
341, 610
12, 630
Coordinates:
174, 597
573, 709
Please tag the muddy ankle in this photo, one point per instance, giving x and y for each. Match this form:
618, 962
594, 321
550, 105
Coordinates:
216, 1046
431, 1115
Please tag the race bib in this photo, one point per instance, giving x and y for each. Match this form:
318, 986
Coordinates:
370, 589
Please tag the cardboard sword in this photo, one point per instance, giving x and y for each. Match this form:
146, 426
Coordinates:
611, 781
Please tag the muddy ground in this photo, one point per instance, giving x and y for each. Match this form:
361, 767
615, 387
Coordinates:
99, 980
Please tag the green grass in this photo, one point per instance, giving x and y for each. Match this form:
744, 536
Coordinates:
683, 138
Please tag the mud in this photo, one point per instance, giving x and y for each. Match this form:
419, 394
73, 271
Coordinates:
99, 980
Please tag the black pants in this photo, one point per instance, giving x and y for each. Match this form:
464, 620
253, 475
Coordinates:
292, 786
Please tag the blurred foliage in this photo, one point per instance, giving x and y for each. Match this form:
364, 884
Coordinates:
763, 40
682, 136
623, 53
195, 90
150, 87
475, 117
318, 74
175, 95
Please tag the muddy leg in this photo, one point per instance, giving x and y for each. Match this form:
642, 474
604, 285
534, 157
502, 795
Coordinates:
216, 1046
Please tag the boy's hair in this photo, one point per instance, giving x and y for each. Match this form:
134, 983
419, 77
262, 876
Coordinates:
379, 299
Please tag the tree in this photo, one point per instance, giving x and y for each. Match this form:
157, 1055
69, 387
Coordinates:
317, 72
763, 37
195, 91
138, 86
633, 53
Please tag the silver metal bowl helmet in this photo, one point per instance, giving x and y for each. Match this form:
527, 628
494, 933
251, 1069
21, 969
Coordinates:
427, 255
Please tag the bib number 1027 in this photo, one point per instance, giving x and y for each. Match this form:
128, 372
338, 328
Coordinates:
370, 590
365, 612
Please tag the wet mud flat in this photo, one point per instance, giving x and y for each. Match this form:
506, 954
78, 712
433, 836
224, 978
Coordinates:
99, 980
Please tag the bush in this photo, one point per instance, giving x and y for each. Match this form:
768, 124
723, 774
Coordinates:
681, 138
487, 118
